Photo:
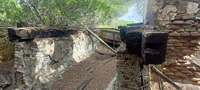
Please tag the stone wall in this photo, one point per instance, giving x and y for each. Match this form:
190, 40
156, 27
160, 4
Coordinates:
128, 75
181, 19
6, 47
39, 61
131, 74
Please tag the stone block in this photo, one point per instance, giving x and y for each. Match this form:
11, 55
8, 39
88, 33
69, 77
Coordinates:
173, 77
181, 11
188, 16
171, 59
169, 51
178, 44
171, 54
190, 29
195, 49
175, 27
167, 30
1, 58
177, 64
187, 81
186, 65
170, 37
197, 74
169, 73
179, 54
173, 69
187, 51
188, 44
1, 51
183, 41
174, 34
165, 69
168, 45
192, 68
181, 61
187, 26
189, 22
172, 15
192, 8
178, 22
178, 17
171, 48
173, 41
198, 26
195, 34
180, 68
179, 74
194, 41
188, 72
185, 34
168, 12
197, 69
195, 79
180, 30
198, 83
163, 23
168, 62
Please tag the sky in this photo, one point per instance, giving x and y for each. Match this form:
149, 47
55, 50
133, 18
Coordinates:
133, 14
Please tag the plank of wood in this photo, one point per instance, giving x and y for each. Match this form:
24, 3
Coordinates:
160, 80
160, 74
90, 31
111, 84
194, 63
83, 84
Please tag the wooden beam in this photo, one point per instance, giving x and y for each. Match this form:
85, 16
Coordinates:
96, 36
160, 74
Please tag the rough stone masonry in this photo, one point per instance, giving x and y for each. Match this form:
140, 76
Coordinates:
143, 46
128, 75
181, 19
38, 60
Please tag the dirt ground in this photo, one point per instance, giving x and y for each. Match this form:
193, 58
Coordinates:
98, 70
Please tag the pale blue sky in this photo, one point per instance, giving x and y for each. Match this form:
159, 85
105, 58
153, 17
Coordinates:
134, 13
